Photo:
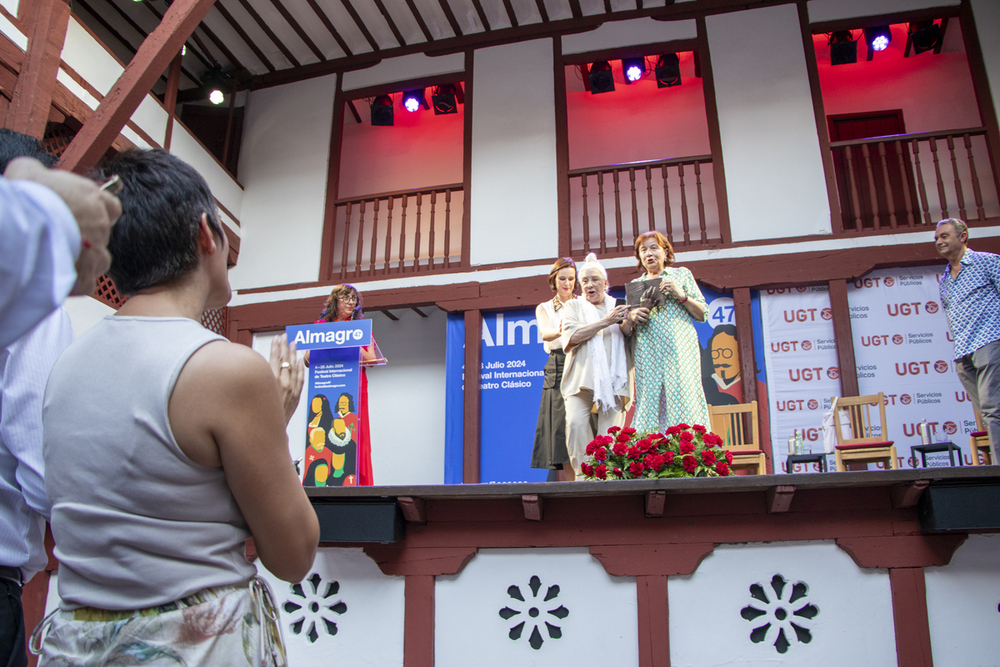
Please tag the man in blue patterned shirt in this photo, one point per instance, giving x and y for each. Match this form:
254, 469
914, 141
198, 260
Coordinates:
970, 293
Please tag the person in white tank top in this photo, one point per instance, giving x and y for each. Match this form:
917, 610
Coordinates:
167, 450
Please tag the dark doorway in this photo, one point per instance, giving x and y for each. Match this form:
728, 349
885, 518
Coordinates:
874, 178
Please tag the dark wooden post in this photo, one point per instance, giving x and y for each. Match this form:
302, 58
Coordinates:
418, 623
28, 111
170, 98
845, 338
909, 615
473, 355
153, 56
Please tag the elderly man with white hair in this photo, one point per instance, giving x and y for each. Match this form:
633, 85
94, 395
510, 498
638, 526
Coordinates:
596, 370
970, 294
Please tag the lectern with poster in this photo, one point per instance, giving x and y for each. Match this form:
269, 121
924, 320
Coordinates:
334, 423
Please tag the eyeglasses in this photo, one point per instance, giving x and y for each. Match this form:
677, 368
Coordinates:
349, 299
724, 353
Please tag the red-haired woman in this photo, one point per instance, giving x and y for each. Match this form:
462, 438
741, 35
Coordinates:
667, 355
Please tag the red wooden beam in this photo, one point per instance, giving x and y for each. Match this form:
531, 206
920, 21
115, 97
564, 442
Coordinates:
779, 498
155, 54
532, 503
170, 98
909, 616
418, 621
473, 356
654, 620
28, 110
845, 339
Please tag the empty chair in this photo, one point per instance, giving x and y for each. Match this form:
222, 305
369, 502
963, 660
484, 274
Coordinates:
862, 444
729, 422
979, 443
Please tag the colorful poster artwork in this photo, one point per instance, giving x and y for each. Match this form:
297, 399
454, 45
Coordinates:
332, 432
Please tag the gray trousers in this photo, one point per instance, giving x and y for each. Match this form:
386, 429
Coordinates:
980, 375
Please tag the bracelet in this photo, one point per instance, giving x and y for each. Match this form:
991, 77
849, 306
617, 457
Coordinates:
682, 301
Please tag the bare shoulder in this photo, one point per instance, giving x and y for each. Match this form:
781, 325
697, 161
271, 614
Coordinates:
222, 362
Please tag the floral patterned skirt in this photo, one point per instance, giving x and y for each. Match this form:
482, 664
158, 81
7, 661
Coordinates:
222, 626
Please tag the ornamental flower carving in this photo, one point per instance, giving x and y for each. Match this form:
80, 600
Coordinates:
780, 613
313, 612
533, 609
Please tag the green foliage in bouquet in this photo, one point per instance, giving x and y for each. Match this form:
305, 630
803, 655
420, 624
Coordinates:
680, 451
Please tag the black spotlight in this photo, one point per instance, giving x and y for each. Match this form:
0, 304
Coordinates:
601, 78
382, 111
414, 99
924, 35
443, 100
878, 39
843, 48
633, 69
668, 71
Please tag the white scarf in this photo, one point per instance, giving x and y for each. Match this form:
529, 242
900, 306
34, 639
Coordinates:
609, 379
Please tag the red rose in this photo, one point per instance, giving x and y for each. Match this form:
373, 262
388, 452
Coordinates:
605, 440
635, 468
592, 447
628, 431
614, 429
587, 469
601, 454
722, 469
618, 472
712, 439
683, 426
690, 464
686, 447
653, 462
601, 472
687, 436
632, 452
668, 458
729, 457
622, 437
657, 438
619, 449
671, 430
707, 457
698, 428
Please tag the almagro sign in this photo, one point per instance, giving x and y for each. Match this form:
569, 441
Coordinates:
326, 335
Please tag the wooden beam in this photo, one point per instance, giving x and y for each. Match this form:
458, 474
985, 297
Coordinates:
845, 339
252, 43
156, 52
779, 498
542, 11
532, 505
510, 13
360, 24
907, 495
574, 6
473, 356
354, 111
562, 149
290, 20
418, 311
418, 620
450, 15
388, 313
28, 110
655, 503
263, 25
414, 509
390, 22
420, 20
482, 14
170, 98
909, 617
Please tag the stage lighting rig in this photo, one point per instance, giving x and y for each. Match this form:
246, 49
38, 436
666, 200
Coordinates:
843, 48
444, 100
924, 35
602, 80
633, 69
414, 99
381, 111
878, 39
668, 71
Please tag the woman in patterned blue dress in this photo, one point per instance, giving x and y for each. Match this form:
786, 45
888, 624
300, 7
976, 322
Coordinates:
667, 355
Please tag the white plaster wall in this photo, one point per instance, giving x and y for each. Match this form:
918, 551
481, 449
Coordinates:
615, 34
283, 166
368, 611
404, 68
227, 191
987, 15
405, 398
8, 29
599, 631
963, 605
774, 169
85, 312
832, 10
853, 626
514, 209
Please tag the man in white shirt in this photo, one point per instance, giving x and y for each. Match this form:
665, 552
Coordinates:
41, 261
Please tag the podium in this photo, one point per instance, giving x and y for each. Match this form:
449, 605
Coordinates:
333, 429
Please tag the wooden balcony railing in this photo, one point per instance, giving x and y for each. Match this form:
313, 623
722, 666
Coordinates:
399, 232
909, 180
611, 206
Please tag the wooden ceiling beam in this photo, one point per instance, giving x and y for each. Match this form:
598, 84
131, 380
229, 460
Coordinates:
152, 58
574, 6
329, 26
207, 59
234, 24
420, 20
361, 25
482, 14
262, 24
31, 100
392, 24
280, 6
607, 6
450, 15
510, 13
542, 11
233, 60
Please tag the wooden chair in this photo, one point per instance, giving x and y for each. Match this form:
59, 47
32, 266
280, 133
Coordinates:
861, 445
979, 443
729, 423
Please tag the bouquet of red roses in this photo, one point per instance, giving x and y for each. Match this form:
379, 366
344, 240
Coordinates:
680, 451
